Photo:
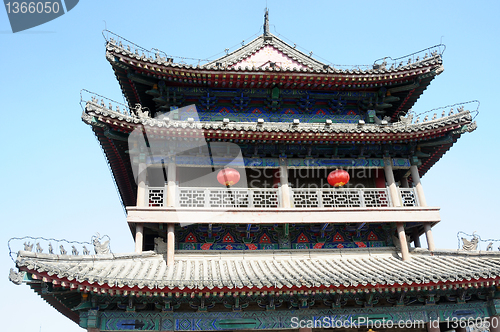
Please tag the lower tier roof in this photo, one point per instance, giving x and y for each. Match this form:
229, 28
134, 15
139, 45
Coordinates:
340, 270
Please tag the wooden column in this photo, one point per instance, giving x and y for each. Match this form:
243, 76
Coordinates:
404, 182
171, 182
285, 189
422, 202
305, 329
379, 178
418, 185
141, 184
429, 237
139, 237
433, 326
402, 240
170, 244
391, 184
494, 323
171, 202
416, 238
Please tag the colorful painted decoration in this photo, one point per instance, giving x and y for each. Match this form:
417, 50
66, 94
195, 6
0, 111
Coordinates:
228, 177
338, 178
302, 238
228, 238
190, 238
338, 238
265, 239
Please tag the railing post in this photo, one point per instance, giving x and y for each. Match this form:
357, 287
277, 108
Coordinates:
250, 197
285, 192
414, 193
422, 202
171, 182
141, 184
320, 197
361, 197
418, 185
388, 196
391, 183
207, 197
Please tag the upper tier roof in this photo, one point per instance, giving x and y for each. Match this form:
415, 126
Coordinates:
268, 62
258, 56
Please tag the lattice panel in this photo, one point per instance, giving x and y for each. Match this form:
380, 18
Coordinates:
269, 198
265, 198
305, 198
228, 198
192, 198
341, 198
156, 196
375, 198
408, 197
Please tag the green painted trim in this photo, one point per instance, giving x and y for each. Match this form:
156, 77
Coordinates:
287, 319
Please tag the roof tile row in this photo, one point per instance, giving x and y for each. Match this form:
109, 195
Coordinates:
280, 269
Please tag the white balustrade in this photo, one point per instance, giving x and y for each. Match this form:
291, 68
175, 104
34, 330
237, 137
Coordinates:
156, 196
225, 198
408, 197
340, 197
266, 198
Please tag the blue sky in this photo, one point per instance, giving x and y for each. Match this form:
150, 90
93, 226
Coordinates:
57, 183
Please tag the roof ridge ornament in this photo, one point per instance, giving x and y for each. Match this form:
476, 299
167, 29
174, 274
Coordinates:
266, 23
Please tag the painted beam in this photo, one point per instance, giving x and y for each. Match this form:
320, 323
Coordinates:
416, 316
281, 215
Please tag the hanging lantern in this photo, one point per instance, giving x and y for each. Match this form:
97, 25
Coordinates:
338, 178
228, 177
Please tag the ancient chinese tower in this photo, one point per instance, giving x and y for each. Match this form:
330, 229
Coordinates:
225, 172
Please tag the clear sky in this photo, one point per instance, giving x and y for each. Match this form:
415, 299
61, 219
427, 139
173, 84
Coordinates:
57, 183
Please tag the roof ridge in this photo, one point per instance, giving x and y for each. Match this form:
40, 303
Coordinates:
308, 61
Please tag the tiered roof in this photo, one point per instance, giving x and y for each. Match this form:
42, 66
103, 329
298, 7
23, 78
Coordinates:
268, 62
366, 269
338, 271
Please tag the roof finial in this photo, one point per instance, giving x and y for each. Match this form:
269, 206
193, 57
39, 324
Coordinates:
266, 23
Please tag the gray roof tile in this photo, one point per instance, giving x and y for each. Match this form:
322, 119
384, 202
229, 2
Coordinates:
278, 269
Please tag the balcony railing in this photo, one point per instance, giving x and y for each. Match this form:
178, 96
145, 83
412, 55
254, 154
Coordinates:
228, 198
408, 197
269, 198
340, 197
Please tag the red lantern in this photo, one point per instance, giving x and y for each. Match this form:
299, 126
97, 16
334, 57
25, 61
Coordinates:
338, 178
228, 177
